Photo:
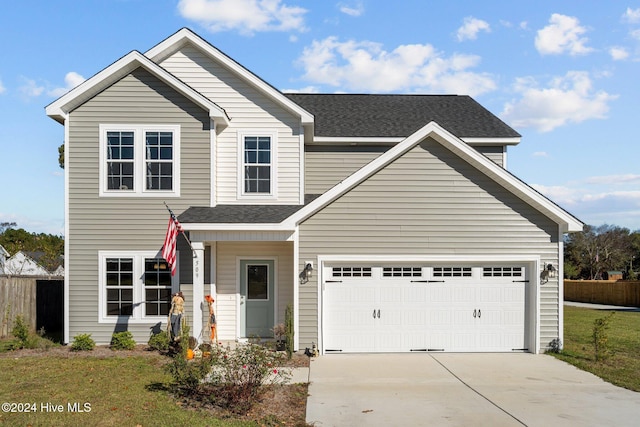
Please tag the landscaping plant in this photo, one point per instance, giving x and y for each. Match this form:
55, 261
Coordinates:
602, 349
159, 341
289, 331
83, 342
122, 341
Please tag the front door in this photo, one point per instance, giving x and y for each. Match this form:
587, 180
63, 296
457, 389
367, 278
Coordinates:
257, 298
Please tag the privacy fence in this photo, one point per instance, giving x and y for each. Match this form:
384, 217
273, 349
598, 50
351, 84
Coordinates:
39, 300
624, 293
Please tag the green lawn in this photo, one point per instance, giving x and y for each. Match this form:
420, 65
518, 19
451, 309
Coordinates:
118, 391
623, 367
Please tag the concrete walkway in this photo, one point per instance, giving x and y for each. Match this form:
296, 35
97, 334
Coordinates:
457, 389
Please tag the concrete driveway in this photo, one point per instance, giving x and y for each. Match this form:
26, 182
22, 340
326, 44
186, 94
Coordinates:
455, 389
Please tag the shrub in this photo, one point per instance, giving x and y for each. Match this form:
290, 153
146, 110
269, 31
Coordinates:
239, 375
289, 331
83, 342
122, 341
600, 336
159, 341
21, 331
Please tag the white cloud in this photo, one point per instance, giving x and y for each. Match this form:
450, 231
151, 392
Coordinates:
30, 88
471, 27
564, 34
366, 66
635, 34
246, 16
614, 179
71, 80
618, 53
631, 15
2, 88
567, 99
540, 154
608, 206
356, 9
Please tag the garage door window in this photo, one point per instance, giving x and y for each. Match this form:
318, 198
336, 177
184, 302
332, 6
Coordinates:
351, 272
451, 271
502, 272
402, 272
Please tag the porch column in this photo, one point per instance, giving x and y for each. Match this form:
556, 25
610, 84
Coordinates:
198, 288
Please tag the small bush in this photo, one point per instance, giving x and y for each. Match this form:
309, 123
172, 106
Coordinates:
159, 341
601, 346
21, 331
122, 341
83, 342
289, 330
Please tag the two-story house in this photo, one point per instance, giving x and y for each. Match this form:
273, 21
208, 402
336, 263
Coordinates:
388, 222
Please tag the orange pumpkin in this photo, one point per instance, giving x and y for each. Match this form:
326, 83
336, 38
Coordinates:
189, 354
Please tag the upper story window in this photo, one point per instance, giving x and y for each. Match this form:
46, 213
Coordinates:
257, 168
139, 160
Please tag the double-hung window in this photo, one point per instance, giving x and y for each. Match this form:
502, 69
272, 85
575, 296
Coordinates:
134, 285
257, 168
139, 160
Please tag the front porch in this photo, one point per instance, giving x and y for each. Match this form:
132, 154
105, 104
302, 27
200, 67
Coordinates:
252, 277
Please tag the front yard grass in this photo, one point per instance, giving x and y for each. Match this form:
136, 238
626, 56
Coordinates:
622, 368
110, 391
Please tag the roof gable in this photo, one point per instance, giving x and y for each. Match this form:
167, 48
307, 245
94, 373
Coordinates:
59, 109
184, 36
566, 221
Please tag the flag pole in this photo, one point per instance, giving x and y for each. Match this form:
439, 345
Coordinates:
173, 217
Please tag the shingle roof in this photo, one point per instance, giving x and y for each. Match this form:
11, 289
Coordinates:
235, 214
360, 115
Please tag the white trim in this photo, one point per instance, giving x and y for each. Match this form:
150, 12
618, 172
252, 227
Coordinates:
532, 323
457, 146
301, 167
139, 160
67, 235
385, 140
256, 258
212, 163
138, 287
184, 35
257, 197
238, 226
296, 290
560, 277
198, 288
58, 109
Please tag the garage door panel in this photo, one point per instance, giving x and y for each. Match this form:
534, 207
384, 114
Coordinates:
459, 312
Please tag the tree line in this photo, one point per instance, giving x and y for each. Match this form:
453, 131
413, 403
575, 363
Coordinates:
591, 254
50, 247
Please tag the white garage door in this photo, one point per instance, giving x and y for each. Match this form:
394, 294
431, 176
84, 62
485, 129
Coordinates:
402, 308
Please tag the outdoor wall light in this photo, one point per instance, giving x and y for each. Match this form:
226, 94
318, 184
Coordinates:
548, 272
305, 275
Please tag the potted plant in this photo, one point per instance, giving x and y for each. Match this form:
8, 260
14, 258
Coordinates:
279, 333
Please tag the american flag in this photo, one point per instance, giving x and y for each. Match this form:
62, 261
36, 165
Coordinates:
170, 242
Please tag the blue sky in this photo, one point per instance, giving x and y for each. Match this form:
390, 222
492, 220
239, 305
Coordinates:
565, 74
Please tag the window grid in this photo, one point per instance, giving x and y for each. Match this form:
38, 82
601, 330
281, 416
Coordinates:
159, 160
402, 272
502, 272
157, 287
351, 272
257, 164
452, 272
120, 161
119, 286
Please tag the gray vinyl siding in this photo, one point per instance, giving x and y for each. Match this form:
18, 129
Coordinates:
127, 223
495, 154
428, 202
325, 166
250, 111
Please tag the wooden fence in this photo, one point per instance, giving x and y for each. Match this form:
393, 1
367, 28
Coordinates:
19, 297
623, 293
